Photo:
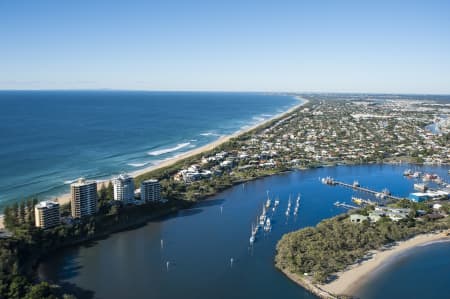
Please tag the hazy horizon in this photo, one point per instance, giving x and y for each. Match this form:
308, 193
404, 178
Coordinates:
251, 46
232, 91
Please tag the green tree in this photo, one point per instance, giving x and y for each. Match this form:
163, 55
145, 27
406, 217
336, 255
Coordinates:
29, 211
22, 212
17, 287
102, 194
110, 191
40, 291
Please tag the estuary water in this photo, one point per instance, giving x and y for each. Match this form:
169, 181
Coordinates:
422, 272
50, 138
204, 252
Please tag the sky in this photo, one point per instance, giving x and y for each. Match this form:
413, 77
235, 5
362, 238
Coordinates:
233, 45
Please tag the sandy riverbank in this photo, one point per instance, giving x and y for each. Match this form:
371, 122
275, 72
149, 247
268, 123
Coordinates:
350, 280
65, 198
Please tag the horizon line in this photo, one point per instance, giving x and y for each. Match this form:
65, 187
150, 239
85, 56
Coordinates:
227, 91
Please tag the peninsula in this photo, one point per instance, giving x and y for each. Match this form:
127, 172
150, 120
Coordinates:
334, 258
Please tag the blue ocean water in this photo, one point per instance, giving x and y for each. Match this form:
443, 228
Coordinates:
50, 138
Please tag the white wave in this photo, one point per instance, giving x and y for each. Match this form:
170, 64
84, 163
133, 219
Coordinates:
193, 140
68, 182
209, 134
169, 150
138, 164
257, 118
266, 115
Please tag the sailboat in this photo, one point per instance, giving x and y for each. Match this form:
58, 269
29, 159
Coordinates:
297, 205
268, 202
277, 202
268, 225
289, 206
252, 237
262, 218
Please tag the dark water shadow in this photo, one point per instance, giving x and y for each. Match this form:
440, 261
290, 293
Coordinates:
210, 202
70, 270
192, 211
187, 213
71, 288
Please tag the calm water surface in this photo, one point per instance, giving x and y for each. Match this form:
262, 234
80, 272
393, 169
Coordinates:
199, 243
423, 272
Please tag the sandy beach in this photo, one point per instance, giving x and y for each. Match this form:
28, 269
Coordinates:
65, 198
350, 280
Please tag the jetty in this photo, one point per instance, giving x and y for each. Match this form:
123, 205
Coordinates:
344, 205
383, 194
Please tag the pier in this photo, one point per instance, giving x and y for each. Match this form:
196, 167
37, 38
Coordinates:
384, 194
345, 205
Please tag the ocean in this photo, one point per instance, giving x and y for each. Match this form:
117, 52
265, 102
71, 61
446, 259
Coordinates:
48, 139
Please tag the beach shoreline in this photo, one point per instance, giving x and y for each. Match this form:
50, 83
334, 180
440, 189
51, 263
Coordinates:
356, 275
65, 198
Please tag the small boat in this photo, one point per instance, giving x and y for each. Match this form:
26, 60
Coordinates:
256, 228
358, 201
277, 202
262, 219
268, 202
420, 187
267, 226
252, 240
407, 172
380, 195
328, 181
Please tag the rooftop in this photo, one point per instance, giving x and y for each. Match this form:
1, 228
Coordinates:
47, 204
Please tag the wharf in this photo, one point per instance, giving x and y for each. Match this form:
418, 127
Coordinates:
333, 182
344, 205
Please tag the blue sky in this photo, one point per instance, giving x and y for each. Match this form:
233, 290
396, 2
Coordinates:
316, 45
